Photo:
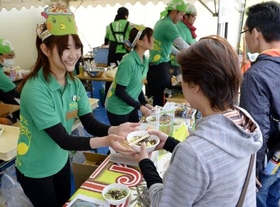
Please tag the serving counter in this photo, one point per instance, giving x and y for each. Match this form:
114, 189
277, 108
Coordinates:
89, 78
110, 171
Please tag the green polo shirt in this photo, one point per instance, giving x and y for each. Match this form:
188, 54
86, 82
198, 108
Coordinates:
165, 32
5, 82
43, 105
185, 33
131, 73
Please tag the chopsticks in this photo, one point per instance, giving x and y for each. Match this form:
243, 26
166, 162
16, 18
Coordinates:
125, 143
140, 139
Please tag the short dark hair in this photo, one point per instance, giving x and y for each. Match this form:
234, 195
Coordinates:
265, 17
212, 64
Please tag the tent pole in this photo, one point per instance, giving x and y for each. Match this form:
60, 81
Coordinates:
241, 25
213, 13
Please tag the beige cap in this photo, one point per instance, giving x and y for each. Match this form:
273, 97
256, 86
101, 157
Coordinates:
191, 9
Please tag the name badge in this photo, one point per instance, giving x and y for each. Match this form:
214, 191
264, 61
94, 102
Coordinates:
72, 114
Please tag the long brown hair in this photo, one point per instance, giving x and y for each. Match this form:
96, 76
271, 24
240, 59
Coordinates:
61, 42
212, 64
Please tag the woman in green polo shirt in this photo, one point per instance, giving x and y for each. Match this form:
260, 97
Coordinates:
8, 91
126, 90
51, 99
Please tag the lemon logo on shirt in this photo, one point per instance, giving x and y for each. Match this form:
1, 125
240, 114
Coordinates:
112, 89
156, 57
23, 147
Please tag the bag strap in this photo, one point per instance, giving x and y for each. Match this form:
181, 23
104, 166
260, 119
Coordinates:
113, 32
245, 186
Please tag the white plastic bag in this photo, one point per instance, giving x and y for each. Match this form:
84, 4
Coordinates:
12, 191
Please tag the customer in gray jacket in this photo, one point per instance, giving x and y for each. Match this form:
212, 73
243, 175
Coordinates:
208, 168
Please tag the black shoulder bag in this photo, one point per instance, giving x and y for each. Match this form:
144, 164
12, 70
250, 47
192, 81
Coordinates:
273, 142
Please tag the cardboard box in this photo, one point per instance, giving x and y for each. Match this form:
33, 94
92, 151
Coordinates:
82, 171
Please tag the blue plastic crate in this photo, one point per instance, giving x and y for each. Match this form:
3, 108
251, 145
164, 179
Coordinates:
100, 55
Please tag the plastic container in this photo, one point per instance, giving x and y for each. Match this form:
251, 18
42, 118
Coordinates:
8, 142
113, 187
273, 164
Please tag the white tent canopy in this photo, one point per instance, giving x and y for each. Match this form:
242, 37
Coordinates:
19, 19
18, 4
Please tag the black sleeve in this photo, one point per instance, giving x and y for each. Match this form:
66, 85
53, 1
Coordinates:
61, 137
142, 99
93, 126
149, 172
170, 144
122, 94
106, 41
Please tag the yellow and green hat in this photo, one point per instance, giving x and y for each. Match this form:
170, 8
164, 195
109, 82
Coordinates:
6, 46
179, 5
59, 21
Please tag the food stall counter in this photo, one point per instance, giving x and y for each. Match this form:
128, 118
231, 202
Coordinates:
109, 172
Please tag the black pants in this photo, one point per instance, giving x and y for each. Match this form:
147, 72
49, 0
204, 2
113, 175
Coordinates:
116, 120
158, 78
52, 191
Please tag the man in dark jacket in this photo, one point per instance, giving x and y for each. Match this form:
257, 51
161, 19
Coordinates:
260, 92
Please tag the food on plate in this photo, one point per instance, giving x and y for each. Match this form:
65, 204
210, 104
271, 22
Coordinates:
135, 140
165, 119
149, 142
151, 119
116, 194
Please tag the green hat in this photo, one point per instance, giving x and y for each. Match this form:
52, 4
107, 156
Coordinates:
5, 46
191, 9
179, 5
59, 21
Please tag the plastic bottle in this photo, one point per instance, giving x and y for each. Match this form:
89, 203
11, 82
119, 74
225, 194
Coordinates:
81, 69
273, 164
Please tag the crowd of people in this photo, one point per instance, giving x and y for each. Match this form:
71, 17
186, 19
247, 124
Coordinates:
221, 163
